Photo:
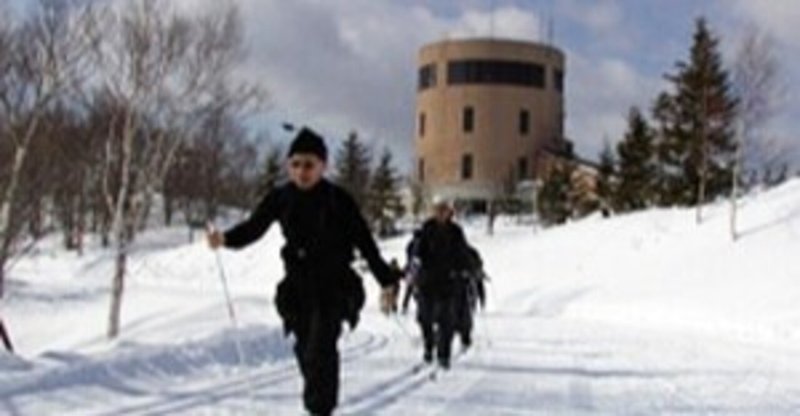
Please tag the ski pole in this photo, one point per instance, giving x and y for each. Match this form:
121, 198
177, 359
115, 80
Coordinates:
226, 291
485, 324
224, 280
484, 314
231, 311
403, 328
6, 339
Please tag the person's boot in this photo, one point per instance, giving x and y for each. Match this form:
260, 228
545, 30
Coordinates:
444, 363
427, 356
466, 341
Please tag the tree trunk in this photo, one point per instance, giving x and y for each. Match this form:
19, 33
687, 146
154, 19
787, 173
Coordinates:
118, 287
734, 198
105, 228
81, 226
121, 231
105, 240
3, 261
701, 188
737, 166
5, 209
169, 209
146, 205
36, 223
490, 218
6, 338
120, 228
67, 212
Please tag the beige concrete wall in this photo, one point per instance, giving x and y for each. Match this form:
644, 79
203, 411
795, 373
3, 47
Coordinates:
495, 143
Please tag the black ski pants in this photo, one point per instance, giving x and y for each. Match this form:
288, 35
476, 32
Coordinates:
317, 331
437, 316
464, 308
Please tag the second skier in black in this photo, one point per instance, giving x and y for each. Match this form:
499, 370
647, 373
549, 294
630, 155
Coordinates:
443, 252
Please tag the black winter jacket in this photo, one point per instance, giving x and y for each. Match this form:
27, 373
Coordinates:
443, 252
322, 227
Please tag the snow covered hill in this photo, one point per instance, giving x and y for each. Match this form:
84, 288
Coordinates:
646, 313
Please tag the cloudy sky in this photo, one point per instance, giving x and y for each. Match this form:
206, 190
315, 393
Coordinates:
343, 64
351, 64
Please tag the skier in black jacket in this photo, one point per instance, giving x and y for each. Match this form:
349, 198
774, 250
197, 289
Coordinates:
322, 226
412, 270
471, 292
443, 252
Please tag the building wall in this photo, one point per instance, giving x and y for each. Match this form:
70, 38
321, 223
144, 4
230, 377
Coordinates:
495, 143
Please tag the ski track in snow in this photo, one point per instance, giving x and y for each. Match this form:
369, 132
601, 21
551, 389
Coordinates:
156, 373
563, 368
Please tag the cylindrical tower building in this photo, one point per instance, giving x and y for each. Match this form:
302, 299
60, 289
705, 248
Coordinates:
486, 108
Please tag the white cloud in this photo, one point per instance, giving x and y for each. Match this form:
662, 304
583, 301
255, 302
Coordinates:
509, 22
780, 17
342, 64
350, 64
346, 64
601, 16
604, 19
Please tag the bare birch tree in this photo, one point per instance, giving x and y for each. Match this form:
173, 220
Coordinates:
164, 72
42, 61
756, 77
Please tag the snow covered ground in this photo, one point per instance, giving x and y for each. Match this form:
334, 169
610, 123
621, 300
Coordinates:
646, 313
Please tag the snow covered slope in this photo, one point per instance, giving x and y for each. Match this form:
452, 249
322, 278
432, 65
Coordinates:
646, 313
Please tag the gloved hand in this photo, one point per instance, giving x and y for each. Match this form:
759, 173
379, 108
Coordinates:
399, 275
389, 299
216, 238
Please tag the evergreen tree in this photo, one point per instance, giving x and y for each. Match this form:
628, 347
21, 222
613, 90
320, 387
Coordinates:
668, 175
637, 172
606, 181
773, 178
385, 203
274, 173
353, 169
696, 147
554, 199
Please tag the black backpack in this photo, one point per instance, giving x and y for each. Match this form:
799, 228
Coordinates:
442, 254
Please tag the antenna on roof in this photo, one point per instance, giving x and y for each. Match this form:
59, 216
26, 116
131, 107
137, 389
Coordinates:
491, 19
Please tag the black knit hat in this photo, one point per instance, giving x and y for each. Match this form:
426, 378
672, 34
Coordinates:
307, 141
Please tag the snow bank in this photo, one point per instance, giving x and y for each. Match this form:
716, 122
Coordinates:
10, 363
659, 268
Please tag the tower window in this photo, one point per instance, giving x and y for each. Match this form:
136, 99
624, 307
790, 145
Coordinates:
427, 77
421, 124
522, 168
524, 122
466, 167
468, 119
498, 72
558, 80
